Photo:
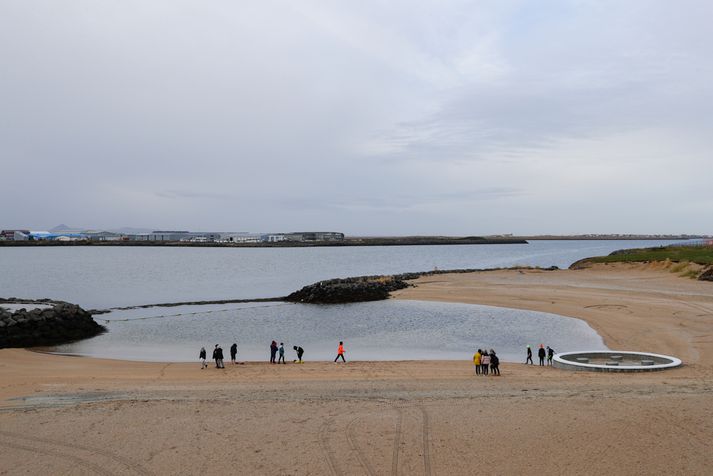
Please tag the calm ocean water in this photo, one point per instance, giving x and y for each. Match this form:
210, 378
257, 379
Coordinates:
120, 276
103, 277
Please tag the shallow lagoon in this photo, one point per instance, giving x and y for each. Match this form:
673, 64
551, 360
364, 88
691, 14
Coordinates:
384, 330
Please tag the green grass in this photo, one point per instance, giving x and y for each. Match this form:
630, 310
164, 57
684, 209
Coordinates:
677, 254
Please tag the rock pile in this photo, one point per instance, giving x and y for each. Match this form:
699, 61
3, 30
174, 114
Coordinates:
706, 275
59, 323
371, 288
337, 291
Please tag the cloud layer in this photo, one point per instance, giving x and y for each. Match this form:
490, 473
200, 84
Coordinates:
364, 117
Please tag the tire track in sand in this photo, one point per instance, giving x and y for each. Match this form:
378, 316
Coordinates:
397, 442
74, 459
359, 453
324, 443
426, 443
123, 461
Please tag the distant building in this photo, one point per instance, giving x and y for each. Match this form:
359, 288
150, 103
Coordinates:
314, 236
46, 235
273, 238
104, 235
242, 238
12, 235
162, 235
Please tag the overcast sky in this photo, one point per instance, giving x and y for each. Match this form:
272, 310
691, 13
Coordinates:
371, 118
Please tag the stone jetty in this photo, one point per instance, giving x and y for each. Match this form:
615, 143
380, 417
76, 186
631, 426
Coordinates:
31, 323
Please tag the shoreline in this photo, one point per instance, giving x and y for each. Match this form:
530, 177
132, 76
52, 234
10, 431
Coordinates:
348, 242
62, 414
661, 308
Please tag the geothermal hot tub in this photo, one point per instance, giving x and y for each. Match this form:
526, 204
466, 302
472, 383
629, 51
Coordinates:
614, 361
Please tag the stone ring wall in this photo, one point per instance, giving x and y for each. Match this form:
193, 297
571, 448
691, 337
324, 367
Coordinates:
614, 361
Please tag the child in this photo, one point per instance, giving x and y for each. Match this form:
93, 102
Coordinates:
281, 351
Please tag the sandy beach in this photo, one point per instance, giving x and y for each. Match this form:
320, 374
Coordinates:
69, 415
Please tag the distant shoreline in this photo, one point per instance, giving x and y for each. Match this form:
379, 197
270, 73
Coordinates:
405, 241
352, 241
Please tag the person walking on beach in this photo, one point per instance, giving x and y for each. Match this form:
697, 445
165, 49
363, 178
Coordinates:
476, 362
340, 352
485, 362
281, 351
233, 352
494, 363
529, 356
541, 354
550, 355
219, 357
299, 351
273, 351
215, 356
201, 356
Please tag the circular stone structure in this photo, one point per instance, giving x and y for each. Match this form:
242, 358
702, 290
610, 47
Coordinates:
614, 361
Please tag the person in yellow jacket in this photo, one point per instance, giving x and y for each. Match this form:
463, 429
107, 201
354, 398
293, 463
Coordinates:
476, 362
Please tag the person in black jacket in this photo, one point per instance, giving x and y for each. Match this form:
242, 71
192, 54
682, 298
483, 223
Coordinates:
220, 357
541, 354
494, 363
273, 352
529, 356
233, 352
299, 351
201, 356
550, 355
215, 356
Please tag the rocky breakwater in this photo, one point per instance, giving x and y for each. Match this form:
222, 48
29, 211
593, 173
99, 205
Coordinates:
30, 323
346, 290
707, 274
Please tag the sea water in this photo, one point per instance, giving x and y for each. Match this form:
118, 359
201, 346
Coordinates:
104, 277
101, 277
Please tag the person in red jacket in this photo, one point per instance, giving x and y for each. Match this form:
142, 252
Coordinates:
340, 352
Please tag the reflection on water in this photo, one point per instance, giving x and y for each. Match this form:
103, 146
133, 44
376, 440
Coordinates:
384, 330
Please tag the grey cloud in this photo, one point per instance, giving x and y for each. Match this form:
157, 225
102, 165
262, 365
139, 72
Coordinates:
399, 118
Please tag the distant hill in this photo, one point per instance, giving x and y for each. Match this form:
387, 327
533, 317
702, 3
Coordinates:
62, 227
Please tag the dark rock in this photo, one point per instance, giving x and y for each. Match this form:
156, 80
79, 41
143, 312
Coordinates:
61, 323
706, 275
337, 291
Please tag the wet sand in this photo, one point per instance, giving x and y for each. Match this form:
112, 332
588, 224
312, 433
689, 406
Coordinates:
69, 415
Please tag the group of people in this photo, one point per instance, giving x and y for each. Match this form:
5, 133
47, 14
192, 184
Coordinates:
542, 354
484, 360
218, 356
487, 362
277, 354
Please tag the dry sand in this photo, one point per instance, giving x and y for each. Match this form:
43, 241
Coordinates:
67, 415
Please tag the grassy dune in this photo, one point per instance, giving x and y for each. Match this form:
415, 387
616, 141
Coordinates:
690, 261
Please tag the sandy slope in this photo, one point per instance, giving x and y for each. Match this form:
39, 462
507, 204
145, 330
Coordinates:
65, 415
